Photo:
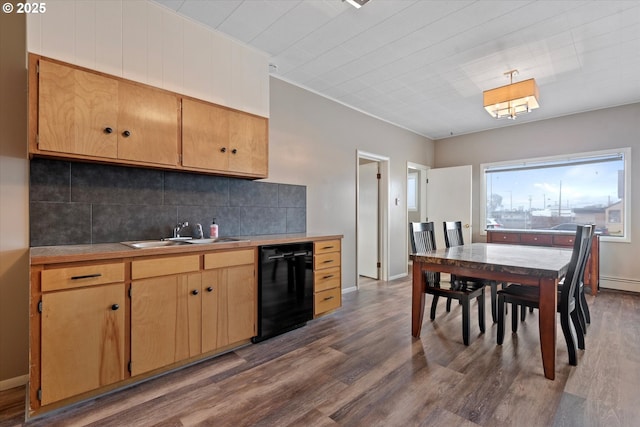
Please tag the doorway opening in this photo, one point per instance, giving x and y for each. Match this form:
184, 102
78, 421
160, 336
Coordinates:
416, 198
372, 217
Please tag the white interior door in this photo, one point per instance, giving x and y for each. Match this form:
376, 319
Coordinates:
449, 199
368, 233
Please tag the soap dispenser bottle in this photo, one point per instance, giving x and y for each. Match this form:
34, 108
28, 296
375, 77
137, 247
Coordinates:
214, 229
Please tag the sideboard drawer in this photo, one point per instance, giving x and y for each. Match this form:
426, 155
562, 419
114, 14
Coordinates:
564, 241
536, 239
497, 237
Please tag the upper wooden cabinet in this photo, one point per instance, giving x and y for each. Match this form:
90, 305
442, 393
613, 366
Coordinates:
216, 138
88, 114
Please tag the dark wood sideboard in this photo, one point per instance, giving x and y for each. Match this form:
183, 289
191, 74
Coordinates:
562, 239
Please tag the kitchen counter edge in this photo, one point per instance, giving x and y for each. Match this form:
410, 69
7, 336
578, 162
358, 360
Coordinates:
40, 255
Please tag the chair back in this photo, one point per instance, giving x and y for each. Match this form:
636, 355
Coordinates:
423, 238
583, 265
571, 280
453, 233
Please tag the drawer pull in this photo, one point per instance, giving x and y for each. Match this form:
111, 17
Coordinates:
86, 276
328, 247
328, 261
194, 292
114, 307
329, 276
210, 289
328, 298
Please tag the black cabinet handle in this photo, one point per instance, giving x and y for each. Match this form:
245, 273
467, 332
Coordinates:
108, 130
86, 276
328, 298
234, 151
114, 307
223, 150
210, 289
327, 261
126, 133
195, 292
328, 277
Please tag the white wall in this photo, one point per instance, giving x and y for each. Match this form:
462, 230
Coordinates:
14, 203
596, 130
151, 44
314, 142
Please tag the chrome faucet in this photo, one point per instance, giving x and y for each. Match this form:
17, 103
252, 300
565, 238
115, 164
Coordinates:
178, 228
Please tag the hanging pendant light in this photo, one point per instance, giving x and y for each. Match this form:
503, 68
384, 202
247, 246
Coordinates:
512, 99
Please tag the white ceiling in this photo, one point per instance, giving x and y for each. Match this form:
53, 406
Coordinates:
423, 64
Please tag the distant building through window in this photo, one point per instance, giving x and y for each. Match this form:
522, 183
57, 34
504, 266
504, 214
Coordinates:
558, 192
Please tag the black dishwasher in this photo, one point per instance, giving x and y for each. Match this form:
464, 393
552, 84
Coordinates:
285, 288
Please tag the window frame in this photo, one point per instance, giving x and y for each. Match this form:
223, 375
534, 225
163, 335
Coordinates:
626, 152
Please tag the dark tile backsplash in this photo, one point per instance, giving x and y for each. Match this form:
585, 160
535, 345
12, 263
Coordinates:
81, 203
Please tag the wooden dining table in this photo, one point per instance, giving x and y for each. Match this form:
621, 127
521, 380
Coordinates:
542, 267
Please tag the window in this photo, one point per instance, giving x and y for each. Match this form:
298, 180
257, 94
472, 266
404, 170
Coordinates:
412, 191
559, 192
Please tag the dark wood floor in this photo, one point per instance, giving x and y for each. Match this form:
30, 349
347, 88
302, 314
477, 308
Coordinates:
360, 367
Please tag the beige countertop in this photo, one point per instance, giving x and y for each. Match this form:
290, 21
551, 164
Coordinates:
103, 251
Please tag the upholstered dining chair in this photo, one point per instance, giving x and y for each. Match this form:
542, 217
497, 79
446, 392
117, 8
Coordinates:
422, 236
453, 237
528, 296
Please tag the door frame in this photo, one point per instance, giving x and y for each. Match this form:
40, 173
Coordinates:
383, 211
422, 209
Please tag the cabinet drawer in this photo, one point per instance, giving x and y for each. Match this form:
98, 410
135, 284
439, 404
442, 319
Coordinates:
164, 266
86, 275
327, 278
229, 258
564, 240
325, 246
535, 239
322, 261
326, 300
505, 237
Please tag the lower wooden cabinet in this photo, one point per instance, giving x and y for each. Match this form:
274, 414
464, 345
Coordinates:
166, 321
82, 329
229, 309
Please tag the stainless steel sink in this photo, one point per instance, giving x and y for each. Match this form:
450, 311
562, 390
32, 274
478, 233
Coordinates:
218, 240
147, 244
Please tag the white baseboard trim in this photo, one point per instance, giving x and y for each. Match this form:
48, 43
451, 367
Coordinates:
398, 276
13, 382
349, 289
620, 284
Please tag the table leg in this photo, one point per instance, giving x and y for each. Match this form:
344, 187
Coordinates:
547, 324
417, 299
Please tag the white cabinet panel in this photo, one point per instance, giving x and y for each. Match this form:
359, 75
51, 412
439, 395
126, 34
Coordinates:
134, 40
198, 60
249, 75
172, 43
221, 71
108, 28
85, 34
58, 31
154, 44
34, 29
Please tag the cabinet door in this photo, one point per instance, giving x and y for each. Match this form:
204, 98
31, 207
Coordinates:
248, 142
147, 125
165, 321
82, 340
210, 301
78, 111
205, 135
240, 316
